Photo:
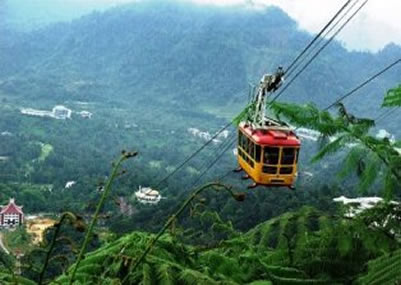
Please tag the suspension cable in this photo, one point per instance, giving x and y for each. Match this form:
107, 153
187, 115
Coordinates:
215, 153
318, 36
363, 84
227, 147
193, 154
385, 114
288, 69
319, 51
322, 38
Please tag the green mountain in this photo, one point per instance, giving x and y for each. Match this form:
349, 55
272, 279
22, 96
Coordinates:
148, 72
175, 53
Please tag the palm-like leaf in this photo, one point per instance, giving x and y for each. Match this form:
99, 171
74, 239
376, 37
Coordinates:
330, 148
348, 132
384, 270
393, 98
165, 274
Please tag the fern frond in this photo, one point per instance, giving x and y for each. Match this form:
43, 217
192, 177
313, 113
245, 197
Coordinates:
390, 184
383, 270
392, 98
192, 277
146, 274
351, 161
330, 148
165, 274
260, 282
244, 114
370, 173
309, 116
8, 279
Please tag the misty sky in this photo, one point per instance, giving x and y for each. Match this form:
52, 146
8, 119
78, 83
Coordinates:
375, 26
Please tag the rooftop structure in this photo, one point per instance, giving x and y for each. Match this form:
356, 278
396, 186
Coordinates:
37, 113
85, 114
61, 112
69, 184
147, 195
208, 136
11, 215
58, 112
358, 205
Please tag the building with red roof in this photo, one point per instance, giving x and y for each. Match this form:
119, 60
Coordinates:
11, 215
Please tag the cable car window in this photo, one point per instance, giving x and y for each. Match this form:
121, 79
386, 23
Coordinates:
245, 141
296, 156
271, 155
240, 135
288, 156
285, 170
243, 155
269, 169
239, 152
251, 149
258, 151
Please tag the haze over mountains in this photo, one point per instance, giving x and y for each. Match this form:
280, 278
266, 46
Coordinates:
202, 53
159, 78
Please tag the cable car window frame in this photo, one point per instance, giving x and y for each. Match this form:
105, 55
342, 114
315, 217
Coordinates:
251, 149
286, 170
277, 159
258, 153
240, 135
246, 149
284, 156
245, 141
267, 169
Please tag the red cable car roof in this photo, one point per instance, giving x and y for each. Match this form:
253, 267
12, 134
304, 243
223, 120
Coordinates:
271, 137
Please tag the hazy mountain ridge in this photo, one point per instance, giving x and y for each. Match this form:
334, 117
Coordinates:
151, 74
181, 52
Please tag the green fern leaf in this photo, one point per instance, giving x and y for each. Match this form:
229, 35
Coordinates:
330, 148
351, 162
260, 282
370, 173
192, 277
165, 274
383, 270
146, 274
393, 98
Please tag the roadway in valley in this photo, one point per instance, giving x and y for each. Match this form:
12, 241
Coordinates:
2, 244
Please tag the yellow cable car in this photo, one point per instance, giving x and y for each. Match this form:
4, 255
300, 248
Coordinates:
268, 156
267, 149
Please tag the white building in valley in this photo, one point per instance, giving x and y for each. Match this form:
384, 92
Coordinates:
61, 112
58, 112
147, 195
85, 114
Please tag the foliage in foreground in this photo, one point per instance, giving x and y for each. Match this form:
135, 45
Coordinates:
302, 247
372, 159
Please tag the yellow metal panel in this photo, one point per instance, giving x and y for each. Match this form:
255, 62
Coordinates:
257, 175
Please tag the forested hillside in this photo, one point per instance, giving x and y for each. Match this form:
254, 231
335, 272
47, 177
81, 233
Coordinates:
195, 54
160, 78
